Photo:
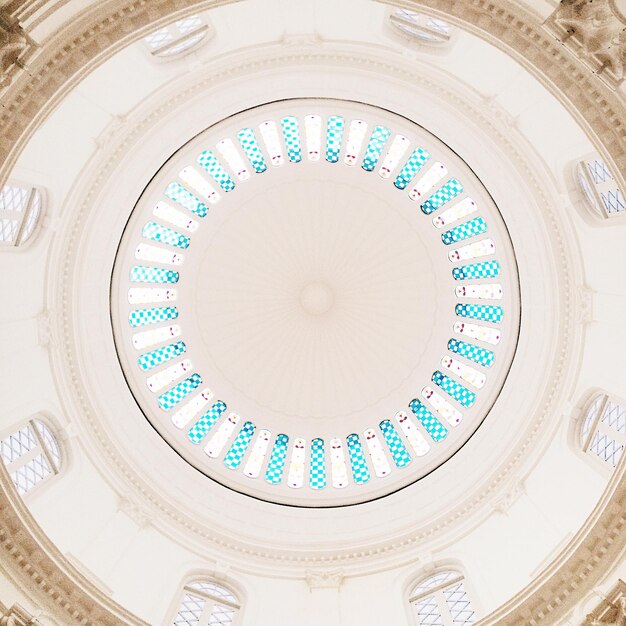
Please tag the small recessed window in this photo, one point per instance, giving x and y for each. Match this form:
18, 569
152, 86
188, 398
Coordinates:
600, 188
31, 454
20, 213
205, 603
423, 28
441, 600
603, 429
177, 38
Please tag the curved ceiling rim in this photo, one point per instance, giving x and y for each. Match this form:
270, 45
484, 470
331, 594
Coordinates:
539, 190
60, 47
511, 268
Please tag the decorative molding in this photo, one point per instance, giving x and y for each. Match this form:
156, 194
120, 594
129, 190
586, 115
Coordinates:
82, 45
510, 496
584, 308
593, 551
595, 31
15, 48
50, 580
67, 364
612, 610
17, 616
324, 580
44, 330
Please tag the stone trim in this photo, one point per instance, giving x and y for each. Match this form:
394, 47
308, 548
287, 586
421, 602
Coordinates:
612, 610
42, 571
62, 62
593, 551
17, 616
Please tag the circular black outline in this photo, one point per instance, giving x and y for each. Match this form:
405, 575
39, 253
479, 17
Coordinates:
319, 506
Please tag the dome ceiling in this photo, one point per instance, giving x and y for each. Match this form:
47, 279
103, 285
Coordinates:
315, 302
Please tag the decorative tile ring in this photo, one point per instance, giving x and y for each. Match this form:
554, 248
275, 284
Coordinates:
315, 302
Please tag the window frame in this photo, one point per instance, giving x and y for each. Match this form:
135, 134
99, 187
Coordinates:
437, 591
591, 191
160, 53
186, 589
584, 440
39, 449
425, 34
22, 217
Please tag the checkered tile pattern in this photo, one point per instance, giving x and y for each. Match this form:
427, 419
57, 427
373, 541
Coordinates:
599, 171
177, 393
606, 448
317, 469
334, 135
210, 163
461, 394
190, 611
400, 455
144, 274
459, 605
480, 312
239, 446
486, 269
375, 147
32, 473
162, 234
431, 424
291, 135
198, 431
276, 465
360, 471
615, 417
471, 352
428, 612
613, 201
251, 148
142, 317
444, 194
178, 193
411, 167
17, 444
221, 616
464, 231
151, 359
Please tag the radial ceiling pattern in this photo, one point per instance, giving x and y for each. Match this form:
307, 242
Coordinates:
315, 302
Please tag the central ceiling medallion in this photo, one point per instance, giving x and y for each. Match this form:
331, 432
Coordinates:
315, 302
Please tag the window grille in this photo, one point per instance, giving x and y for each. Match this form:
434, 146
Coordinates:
423, 28
599, 187
177, 38
31, 455
603, 429
205, 603
20, 213
441, 600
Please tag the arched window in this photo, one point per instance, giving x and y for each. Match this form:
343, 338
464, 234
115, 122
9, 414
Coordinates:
441, 600
178, 37
20, 210
31, 455
205, 603
599, 187
423, 28
603, 429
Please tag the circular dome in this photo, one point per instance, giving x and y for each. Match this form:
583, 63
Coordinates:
315, 302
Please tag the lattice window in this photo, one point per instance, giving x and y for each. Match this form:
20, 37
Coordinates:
205, 603
441, 600
20, 212
422, 28
177, 38
31, 455
599, 187
603, 429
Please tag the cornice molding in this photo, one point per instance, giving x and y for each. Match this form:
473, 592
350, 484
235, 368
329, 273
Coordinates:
612, 610
66, 363
592, 552
43, 572
56, 67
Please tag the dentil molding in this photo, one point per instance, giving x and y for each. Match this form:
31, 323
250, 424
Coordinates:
66, 362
